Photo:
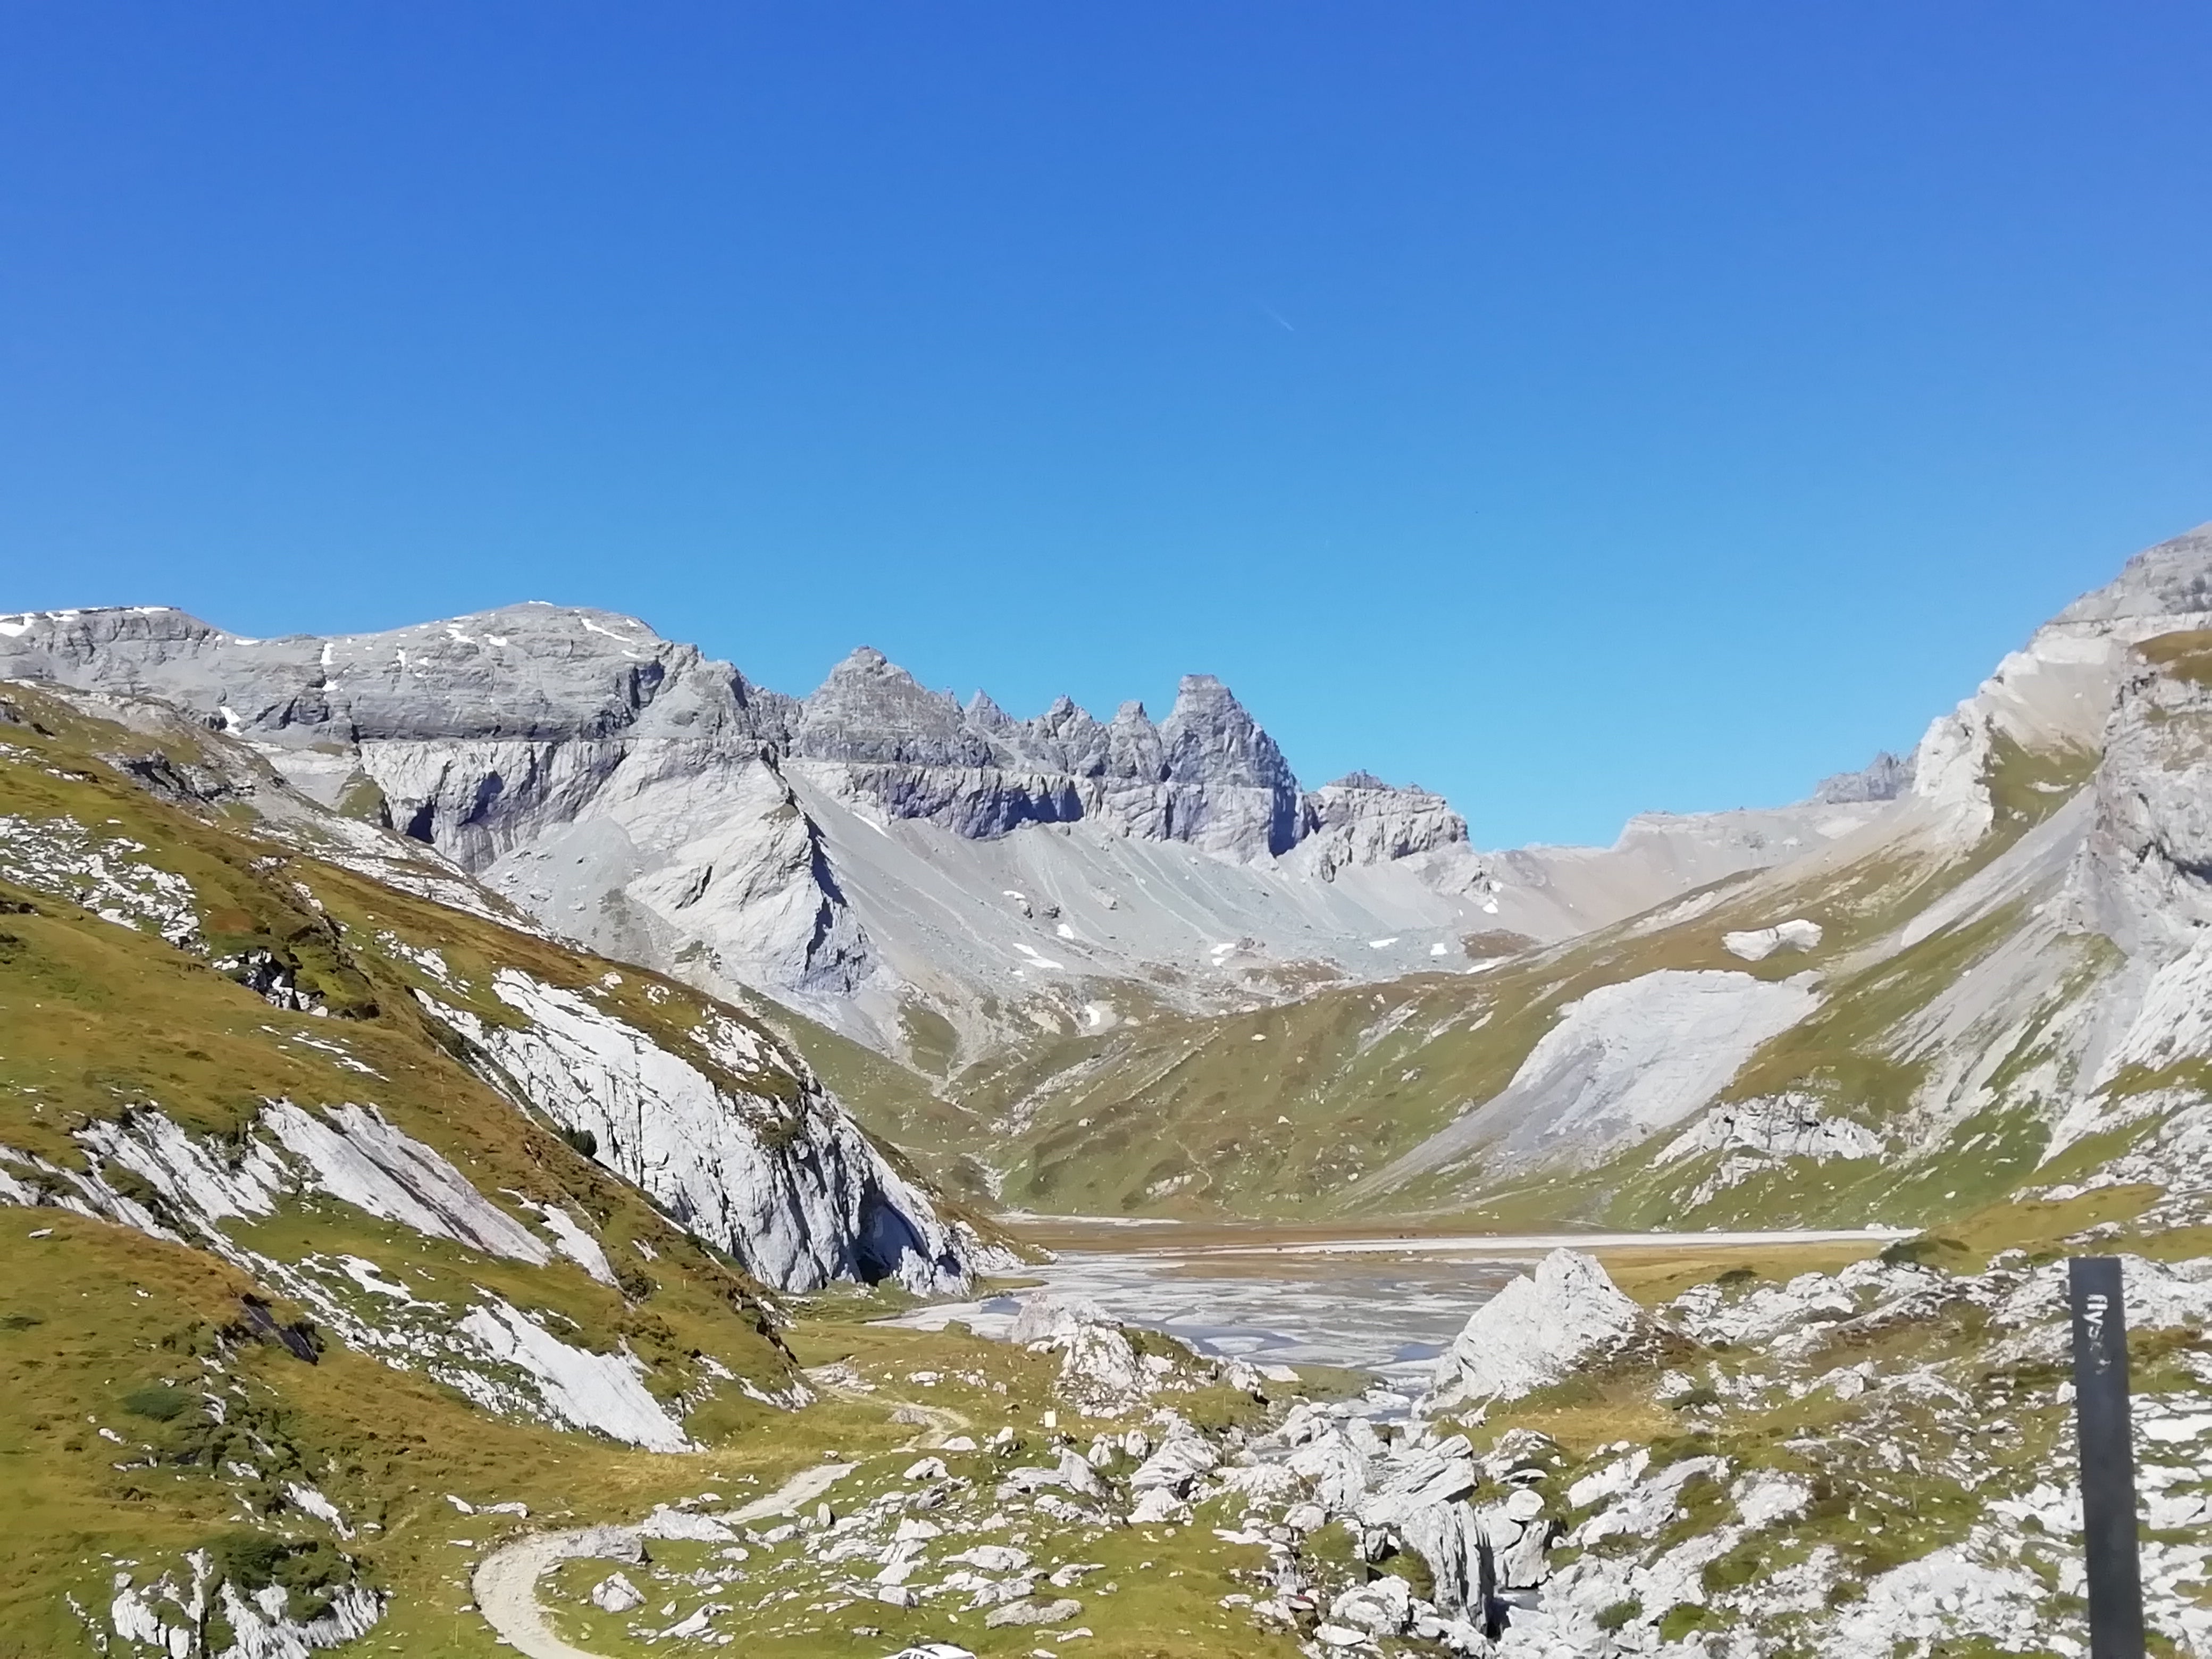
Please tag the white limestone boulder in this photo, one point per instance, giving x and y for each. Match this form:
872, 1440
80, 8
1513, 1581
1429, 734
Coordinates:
616, 1593
1176, 1464
1044, 1316
1537, 1331
1757, 944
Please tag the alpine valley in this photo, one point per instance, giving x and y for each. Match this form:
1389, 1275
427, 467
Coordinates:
511, 1133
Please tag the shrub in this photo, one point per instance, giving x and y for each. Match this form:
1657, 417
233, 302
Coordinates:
158, 1401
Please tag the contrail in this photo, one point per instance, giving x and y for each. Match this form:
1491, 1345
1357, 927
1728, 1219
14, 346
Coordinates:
1278, 316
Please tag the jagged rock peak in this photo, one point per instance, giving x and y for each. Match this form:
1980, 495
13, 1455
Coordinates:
871, 710
1244, 793
983, 712
1884, 777
1209, 734
2174, 579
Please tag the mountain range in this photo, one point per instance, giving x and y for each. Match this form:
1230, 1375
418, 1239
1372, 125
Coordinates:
938, 880
1066, 939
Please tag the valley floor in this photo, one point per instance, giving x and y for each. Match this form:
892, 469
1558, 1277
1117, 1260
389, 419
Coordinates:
1827, 1448
1383, 1301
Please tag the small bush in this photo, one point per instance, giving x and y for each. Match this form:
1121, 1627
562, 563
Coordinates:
1920, 1250
158, 1401
308, 1569
1619, 1613
582, 1140
1681, 1620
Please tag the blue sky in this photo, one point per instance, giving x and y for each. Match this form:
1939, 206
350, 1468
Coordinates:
1581, 409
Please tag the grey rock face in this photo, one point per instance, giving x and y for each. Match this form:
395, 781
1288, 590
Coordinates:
1208, 775
870, 711
2143, 876
1884, 777
1360, 819
495, 736
2170, 580
555, 700
525, 673
1231, 789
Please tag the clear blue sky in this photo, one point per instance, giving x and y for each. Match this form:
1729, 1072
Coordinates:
1579, 408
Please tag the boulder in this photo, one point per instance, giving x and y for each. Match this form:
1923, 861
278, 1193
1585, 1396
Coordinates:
1178, 1463
1757, 944
1100, 1372
1155, 1506
1033, 1613
1045, 1317
1383, 1607
993, 1558
1536, 1332
616, 1593
664, 1522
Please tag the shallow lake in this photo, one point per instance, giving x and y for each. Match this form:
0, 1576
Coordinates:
1376, 1301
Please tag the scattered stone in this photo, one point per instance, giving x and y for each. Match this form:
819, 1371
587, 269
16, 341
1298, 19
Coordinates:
665, 1522
993, 1557
1031, 1613
1156, 1506
616, 1593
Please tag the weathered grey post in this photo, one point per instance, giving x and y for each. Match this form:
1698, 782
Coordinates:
2108, 1460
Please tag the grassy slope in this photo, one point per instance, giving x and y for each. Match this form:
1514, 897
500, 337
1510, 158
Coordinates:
97, 1017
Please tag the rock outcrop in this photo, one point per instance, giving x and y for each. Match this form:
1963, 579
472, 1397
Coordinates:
2144, 874
1537, 1331
1360, 819
1207, 775
746, 1150
1103, 1371
1884, 777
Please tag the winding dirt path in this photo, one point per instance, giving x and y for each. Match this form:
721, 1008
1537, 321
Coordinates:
506, 1584
801, 1489
506, 1581
940, 1422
